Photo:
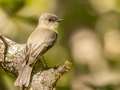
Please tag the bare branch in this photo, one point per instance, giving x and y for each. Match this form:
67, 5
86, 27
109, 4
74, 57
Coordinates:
12, 56
46, 80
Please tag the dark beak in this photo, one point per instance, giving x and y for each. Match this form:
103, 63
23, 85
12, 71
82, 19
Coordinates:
59, 20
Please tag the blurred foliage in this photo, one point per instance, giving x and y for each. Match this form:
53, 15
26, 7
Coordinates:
89, 36
11, 6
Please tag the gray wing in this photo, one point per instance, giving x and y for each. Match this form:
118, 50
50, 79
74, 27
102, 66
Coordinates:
40, 50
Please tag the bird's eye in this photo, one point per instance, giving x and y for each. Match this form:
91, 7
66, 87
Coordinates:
50, 20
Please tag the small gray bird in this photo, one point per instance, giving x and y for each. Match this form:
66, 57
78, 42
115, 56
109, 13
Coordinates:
40, 40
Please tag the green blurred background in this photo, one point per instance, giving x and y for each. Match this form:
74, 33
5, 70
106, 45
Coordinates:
89, 36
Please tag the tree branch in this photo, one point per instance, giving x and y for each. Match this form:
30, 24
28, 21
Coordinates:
12, 56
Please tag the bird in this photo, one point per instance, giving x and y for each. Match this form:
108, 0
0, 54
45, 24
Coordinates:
39, 42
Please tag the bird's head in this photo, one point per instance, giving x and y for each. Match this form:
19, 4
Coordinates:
49, 21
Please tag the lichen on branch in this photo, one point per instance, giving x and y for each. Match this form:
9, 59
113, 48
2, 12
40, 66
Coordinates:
12, 56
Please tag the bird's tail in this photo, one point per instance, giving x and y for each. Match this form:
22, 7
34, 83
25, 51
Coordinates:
24, 76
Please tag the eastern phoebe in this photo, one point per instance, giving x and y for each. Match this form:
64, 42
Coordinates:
40, 40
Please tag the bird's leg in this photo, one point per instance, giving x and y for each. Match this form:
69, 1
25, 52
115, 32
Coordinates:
43, 61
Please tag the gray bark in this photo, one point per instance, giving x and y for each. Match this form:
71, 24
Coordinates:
11, 57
